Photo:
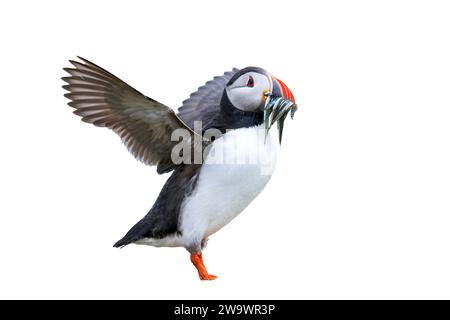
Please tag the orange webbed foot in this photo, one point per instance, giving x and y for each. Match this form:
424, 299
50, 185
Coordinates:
197, 261
207, 277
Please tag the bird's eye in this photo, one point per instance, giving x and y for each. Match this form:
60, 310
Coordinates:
250, 82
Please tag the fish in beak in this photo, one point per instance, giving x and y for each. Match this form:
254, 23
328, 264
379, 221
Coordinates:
279, 102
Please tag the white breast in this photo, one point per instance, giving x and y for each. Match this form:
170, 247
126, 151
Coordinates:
237, 169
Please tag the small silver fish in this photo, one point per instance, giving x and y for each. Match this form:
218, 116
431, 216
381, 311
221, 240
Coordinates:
276, 110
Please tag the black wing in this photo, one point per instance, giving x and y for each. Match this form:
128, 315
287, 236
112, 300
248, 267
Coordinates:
204, 104
144, 125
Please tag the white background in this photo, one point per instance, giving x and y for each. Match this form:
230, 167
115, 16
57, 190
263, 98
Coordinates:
358, 207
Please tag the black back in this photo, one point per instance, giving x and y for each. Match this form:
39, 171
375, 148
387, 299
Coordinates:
162, 219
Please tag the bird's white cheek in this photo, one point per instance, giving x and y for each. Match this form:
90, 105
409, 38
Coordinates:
247, 99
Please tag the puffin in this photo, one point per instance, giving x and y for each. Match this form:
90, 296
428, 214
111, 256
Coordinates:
218, 147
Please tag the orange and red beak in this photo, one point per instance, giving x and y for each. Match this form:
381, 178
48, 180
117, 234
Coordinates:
282, 90
278, 104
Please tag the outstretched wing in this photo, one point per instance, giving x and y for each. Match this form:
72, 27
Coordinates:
204, 104
144, 125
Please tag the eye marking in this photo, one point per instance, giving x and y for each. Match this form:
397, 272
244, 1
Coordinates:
250, 82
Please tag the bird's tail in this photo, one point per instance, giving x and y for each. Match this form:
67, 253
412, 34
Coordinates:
136, 233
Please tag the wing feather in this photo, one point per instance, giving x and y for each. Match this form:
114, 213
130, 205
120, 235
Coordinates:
144, 124
204, 104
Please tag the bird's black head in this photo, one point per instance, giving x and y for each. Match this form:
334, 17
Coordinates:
253, 96
248, 89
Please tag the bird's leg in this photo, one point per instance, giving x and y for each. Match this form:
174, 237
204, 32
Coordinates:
197, 261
